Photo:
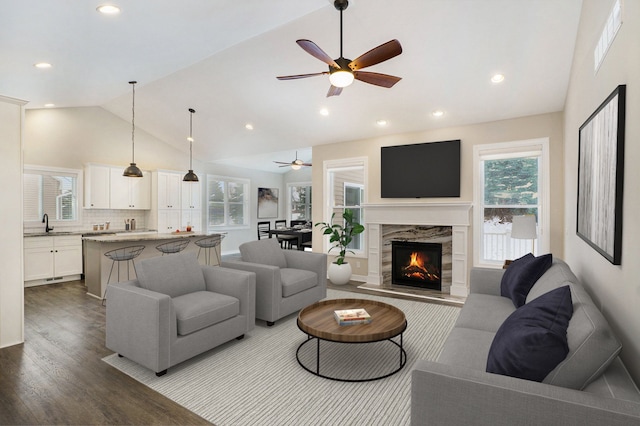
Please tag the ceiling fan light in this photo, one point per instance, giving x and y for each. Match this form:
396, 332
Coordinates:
296, 166
341, 78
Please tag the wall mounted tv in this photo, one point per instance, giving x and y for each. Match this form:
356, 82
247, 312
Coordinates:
424, 170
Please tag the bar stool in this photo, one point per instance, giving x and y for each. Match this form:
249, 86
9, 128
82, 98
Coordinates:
208, 243
173, 246
124, 254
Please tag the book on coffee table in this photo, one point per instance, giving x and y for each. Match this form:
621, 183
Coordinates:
352, 316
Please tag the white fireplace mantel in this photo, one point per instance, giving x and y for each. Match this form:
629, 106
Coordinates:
454, 214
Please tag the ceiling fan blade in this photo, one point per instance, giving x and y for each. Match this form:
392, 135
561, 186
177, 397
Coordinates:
312, 49
307, 164
377, 79
334, 91
294, 77
282, 162
376, 55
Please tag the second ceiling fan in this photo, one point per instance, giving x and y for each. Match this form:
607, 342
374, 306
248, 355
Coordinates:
343, 71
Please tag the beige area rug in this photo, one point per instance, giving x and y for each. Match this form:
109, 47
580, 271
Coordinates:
258, 381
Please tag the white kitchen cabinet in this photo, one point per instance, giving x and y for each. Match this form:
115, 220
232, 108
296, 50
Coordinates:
97, 186
130, 193
168, 221
191, 195
52, 258
169, 190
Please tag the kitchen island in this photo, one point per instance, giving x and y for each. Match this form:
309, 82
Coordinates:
97, 265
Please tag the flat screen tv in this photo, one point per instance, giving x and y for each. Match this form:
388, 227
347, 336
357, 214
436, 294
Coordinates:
424, 170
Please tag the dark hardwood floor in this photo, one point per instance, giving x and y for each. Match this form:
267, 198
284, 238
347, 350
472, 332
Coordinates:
57, 376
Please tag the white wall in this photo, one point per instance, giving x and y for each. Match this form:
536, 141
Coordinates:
11, 277
615, 288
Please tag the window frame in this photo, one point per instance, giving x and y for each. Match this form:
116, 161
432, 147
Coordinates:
329, 166
505, 150
246, 203
79, 194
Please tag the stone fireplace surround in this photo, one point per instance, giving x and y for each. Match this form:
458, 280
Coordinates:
418, 218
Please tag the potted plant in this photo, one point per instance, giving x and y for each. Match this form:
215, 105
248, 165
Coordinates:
341, 236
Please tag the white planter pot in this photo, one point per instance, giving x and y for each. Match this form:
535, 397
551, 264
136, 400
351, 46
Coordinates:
339, 274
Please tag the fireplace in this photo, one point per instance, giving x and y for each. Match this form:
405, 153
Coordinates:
416, 264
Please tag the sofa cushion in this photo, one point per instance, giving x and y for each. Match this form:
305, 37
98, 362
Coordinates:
521, 275
201, 309
484, 312
173, 275
592, 344
467, 347
533, 340
265, 252
296, 280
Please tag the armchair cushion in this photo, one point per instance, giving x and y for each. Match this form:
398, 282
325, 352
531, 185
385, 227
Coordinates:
265, 252
296, 280
195, 311
173, 275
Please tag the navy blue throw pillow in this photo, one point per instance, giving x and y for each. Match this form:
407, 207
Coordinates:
532, 341
521, 275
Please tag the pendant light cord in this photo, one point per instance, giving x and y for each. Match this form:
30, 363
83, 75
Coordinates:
191, 111
133, 122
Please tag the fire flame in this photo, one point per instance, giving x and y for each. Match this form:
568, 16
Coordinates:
417, 269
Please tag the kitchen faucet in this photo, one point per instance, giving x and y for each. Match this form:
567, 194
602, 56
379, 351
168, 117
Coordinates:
45, 219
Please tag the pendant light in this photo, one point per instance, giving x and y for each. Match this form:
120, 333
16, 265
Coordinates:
133, 170
190, 177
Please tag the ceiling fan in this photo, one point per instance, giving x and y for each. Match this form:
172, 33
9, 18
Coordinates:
296, 164
343, 71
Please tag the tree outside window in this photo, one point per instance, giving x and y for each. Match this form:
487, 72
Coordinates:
300, 202
227, 202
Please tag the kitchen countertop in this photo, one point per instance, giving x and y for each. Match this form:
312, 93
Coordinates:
89, 232
138, 236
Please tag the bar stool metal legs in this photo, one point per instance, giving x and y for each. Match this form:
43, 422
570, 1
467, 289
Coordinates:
209, 243
124, 254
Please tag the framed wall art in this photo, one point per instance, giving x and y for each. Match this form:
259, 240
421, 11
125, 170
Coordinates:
601, 177
267, 203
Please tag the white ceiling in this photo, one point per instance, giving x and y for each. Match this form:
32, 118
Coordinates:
221, 57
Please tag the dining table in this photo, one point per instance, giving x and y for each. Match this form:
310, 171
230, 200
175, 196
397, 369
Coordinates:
303, 234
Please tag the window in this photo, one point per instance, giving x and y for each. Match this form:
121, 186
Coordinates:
299, 201
228, 202
345, 189
52, 191
511, 180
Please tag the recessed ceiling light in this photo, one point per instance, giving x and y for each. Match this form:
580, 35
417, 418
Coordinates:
42, 65
497, 78
248, 126
108, 9
437, 113
382, 123
49, 105
324, 111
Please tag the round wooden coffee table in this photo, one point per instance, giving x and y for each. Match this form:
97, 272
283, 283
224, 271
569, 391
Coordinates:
318, 322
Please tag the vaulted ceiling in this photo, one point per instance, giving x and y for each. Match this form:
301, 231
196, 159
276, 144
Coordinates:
221, 57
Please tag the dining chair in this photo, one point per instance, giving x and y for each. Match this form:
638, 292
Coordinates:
263, 229
286, 241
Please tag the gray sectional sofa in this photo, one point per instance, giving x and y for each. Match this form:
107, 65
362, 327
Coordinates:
591, 386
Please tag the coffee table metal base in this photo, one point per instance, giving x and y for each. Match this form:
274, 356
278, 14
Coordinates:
402, 353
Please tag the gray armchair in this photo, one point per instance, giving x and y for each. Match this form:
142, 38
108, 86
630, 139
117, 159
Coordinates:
286, 280
177, 309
